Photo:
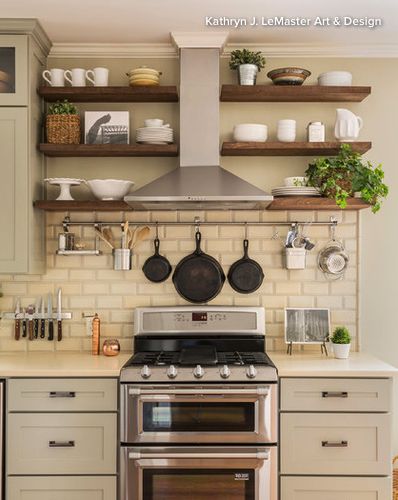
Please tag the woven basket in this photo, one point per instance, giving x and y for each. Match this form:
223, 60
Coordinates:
63, 129
395, 480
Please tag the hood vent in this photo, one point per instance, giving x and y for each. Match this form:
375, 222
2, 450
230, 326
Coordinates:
199, 183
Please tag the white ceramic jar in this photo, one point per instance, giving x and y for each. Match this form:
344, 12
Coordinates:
286, 131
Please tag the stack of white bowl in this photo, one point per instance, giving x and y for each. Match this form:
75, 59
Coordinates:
335, 78
154, 132
144, 76
250, 132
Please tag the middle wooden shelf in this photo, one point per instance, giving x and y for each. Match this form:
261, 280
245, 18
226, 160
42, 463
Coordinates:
108, 150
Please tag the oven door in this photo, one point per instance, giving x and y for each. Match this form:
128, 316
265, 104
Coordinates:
192, 414
178, 473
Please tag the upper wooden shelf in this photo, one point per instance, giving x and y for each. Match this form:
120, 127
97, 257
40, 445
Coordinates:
289, 148
150, 93
82, 206
313, 203
108, 150
292, 93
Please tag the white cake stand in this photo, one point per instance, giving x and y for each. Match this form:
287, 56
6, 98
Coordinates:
64, 184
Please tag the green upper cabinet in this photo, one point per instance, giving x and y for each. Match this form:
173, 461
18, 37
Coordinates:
14, 83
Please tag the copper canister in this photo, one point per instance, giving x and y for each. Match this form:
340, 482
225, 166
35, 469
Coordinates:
111, 347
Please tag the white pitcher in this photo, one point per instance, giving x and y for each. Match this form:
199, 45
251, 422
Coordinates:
347, 125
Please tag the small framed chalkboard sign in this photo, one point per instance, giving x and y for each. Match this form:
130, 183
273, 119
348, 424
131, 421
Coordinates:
307, 326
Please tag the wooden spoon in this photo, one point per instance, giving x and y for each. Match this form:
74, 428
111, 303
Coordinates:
108, 234
140, 235
102, 237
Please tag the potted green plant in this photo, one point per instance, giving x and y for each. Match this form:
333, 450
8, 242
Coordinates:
248, 64
345, 175
63, 123
341, 342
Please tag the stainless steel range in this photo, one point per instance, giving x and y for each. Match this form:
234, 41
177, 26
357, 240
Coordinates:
199, 406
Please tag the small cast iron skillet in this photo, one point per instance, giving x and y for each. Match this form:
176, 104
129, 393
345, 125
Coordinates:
245, 275
157, 268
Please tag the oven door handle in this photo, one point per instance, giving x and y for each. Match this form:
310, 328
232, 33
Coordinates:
257, 454
259, 391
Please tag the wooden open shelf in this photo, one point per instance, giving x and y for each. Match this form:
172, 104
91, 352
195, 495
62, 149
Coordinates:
287, 93
313, 203
289, 148
89, 150
150, 93
82, 206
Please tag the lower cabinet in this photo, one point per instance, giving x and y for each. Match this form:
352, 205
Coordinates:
335, 488
61, 488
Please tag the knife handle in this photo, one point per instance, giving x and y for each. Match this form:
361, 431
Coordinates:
59, 329
42, 329
30, 329
24, 328
36, 323
50, 330
17, 329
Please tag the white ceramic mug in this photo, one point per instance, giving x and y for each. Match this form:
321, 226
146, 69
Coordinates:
76, 77
99, 76
54, 77
286, 131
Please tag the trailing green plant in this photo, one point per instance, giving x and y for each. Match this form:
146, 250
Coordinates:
62, 108
246, 56
342, 176
341, 335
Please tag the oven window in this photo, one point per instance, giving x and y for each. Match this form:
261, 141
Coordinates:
199, 417
198, 484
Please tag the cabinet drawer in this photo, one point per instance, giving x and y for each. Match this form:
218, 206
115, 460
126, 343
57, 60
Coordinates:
63, 394
336, 488
61, 488
335, 443
40, 443
335, 394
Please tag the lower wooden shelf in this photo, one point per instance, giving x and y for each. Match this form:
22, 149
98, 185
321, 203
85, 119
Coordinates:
108, 150
289, 148
82, 206
313, 203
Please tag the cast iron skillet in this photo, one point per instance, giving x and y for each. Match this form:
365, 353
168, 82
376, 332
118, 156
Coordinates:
198, 277
157, 268
245, 275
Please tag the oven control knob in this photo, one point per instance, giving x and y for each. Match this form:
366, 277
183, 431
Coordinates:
171, 371
198, 371
225, 372
251, 372
145, 371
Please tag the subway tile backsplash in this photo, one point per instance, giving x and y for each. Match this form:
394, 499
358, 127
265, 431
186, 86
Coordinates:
91, 285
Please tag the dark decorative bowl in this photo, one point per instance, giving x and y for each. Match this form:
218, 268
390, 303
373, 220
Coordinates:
288, 76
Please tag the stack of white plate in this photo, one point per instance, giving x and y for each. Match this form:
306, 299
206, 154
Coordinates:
154, 135
295, 191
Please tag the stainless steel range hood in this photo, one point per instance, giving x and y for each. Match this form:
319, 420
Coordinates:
199, 182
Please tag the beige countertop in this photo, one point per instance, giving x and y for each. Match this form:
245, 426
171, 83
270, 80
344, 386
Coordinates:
85, 365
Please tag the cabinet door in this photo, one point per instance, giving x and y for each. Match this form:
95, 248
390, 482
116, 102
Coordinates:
14, 190
13, 70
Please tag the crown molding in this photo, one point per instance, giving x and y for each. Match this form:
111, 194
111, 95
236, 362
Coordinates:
270, 50
199, 40
26, 27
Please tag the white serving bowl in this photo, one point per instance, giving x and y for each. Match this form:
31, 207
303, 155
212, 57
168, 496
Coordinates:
153, 122
250, 132
109, 189
335, 78
295, 181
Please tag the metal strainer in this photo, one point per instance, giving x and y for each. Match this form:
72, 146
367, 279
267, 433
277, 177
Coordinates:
333, 259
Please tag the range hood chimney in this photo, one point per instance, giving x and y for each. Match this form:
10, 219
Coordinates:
199, 182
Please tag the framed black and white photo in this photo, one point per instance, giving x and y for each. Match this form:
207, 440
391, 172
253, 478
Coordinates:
307, 325
106, 127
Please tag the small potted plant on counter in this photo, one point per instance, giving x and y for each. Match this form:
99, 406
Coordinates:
341, 342
343, 176
63, 123
248, 64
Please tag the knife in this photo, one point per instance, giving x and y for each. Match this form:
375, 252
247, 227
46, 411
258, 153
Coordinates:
30, 310
42, 320
50, 317
36, 320
17, 333
59, 314
24, 325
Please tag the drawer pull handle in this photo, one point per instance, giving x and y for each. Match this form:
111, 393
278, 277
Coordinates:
62, 394
61, 444
328, 394
334, 444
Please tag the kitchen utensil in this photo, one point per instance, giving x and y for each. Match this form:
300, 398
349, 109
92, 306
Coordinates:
295, 181
76, 77
286, 130
109, 189
108, 234
50, 317
333, 259
198, 277
245, 275
157, 268
288, 76
111, 347
139, 235
295, 258
66, 241
98, 76
291, 236
17, 326
24, 324
30, 310
36, 320
122, 259
65, 184
59, 315
125, 235
250, 132
347, 126
42, 320
339, 78
102, 237
54, 77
